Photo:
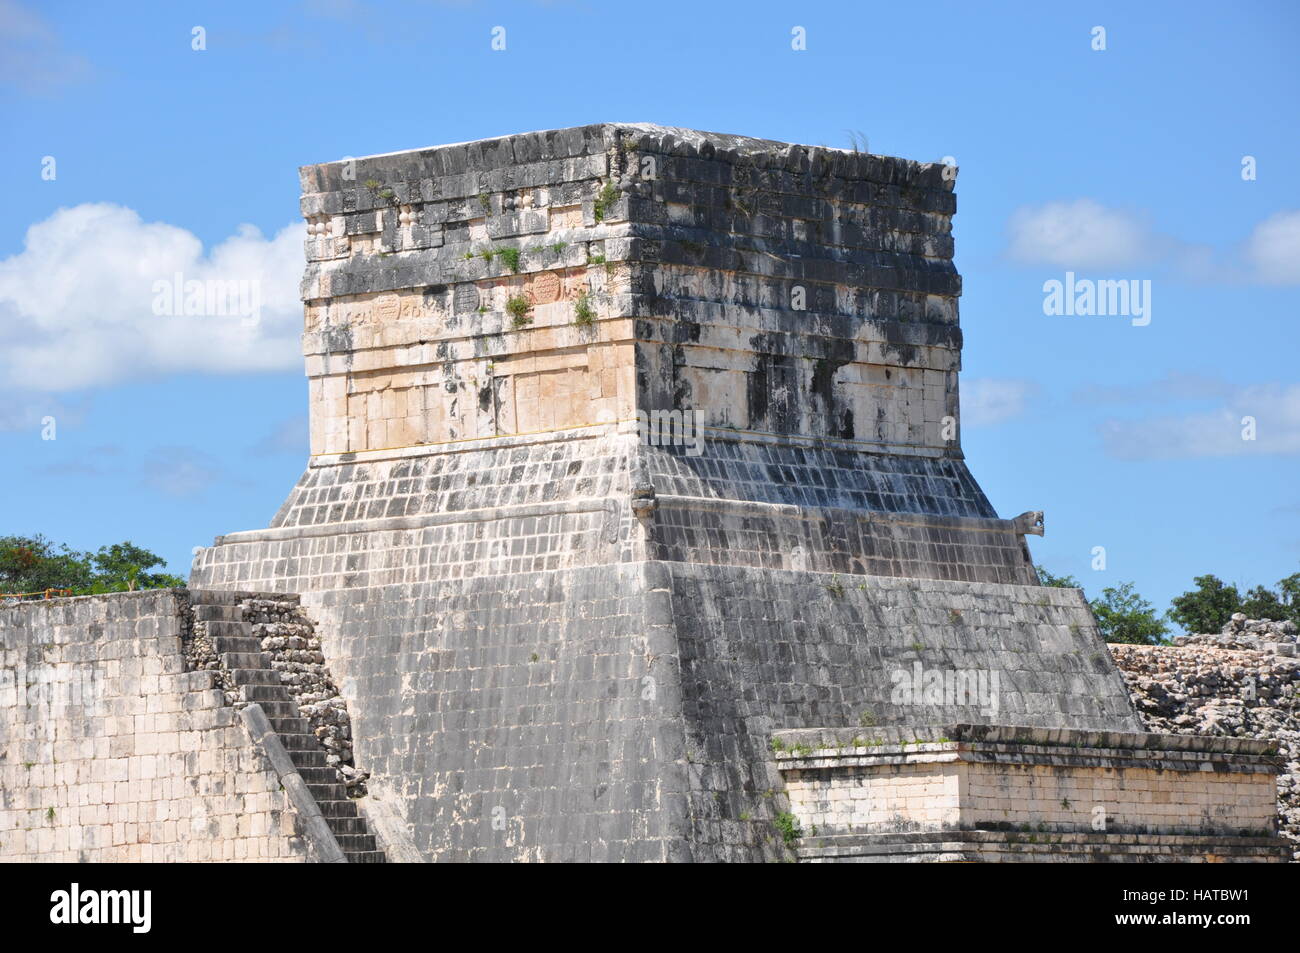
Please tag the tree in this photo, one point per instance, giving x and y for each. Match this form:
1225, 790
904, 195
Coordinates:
34, 564
123, 565
1046, 578
1124, 616
1208, 607
1262, 603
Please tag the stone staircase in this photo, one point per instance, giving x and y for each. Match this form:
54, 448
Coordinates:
248, 673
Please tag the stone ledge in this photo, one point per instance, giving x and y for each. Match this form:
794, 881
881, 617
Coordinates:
983, 846
965, 736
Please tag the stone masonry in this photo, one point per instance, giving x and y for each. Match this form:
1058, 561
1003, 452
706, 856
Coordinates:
127, 734
631, 447
1224, 686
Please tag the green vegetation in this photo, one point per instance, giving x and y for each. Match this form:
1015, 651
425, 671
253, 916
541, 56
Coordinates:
1212, 603
1124, 616
607, 196
788, 827
511, 257
34, 564
584, 315
519, 307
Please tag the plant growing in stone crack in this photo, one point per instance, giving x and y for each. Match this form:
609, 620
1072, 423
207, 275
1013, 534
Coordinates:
787, 826
584, 315
954, 615
745, 815
867, 719
596, 259
485, 200
834, 587
519, 307
607, 196
374, 185
49, 814
558, 247
511, 257
486, 254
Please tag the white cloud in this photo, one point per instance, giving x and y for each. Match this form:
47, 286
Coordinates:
32, 57
289, 436
1086, 234
986, 401
1078, 234
77, 303
1273, 249
181, 472
1174, 386
1275, 409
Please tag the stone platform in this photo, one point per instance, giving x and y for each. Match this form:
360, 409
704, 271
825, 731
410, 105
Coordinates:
998, 793
632, 445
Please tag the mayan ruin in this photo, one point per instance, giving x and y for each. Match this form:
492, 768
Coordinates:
636, 527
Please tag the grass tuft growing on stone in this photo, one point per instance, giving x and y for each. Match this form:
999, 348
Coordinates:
584, 315
518, 306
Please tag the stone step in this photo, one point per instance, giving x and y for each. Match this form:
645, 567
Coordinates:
255, 676
303, 758
295, 724
224, 597
318, 774
356, 842
275, 711
328, 790
265, 693
366, 857
347, 825
237, 630
224, 644
337, 808
234, 660
204, 613
298, 740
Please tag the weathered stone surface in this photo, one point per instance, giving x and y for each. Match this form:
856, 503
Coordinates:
112, 751
562, 637
1199, 688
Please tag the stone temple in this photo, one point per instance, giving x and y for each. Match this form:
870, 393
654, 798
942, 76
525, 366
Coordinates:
637, 527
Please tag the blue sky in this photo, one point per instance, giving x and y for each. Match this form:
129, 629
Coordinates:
1122, 163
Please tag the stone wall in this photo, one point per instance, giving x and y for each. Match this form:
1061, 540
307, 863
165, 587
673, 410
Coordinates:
994, 793
1199, 688
111, 751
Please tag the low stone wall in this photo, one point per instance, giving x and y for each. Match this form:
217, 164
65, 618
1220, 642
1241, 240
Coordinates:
111, 751
858, 794
1201, 689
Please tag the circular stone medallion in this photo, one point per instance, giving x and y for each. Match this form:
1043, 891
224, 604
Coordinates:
546, 288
